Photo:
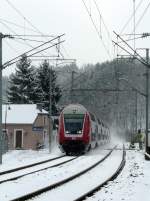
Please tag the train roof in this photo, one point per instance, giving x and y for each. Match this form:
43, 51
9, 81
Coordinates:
75, 109
80, 109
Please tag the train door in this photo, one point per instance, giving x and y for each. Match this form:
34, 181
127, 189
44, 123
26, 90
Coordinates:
18, 139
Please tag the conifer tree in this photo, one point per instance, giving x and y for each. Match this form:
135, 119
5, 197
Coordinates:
44, 72
22, 85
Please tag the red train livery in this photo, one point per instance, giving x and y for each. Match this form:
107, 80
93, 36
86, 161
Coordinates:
79, 130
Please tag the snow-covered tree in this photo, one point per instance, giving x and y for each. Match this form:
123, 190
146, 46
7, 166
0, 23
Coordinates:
44, 73
22, 84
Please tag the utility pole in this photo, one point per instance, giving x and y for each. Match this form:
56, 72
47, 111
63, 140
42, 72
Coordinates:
147, 106
116, 112
50, 111
136, 111
1, 67
146, 95
134, 23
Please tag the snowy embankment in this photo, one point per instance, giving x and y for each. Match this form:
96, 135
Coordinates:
133, 184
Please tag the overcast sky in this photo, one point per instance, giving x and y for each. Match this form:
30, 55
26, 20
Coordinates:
56, 17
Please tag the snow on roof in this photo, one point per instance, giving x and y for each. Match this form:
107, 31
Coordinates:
20, 113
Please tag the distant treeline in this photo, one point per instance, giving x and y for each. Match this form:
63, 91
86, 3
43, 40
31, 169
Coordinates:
107, 89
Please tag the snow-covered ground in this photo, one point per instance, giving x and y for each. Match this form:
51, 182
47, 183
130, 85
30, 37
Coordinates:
47, 177
132, 184
19, 158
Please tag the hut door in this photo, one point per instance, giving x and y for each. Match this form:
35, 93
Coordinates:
18, 139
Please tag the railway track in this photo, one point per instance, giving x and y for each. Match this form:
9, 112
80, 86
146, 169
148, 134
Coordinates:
111, 178
62, 181
81, 192
33, 168
29, 165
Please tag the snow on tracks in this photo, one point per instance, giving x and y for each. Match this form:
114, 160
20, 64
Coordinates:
33, 168
48, 179
88, 183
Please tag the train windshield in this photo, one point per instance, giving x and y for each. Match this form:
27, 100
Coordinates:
73, 123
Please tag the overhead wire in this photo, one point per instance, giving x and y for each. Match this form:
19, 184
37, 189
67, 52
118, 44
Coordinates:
19, 12
11, 47
133, 38
138, 22
141, 17
136, 25
107, 30
10, 29
35, 28
17, 25
123, 28
37, 31
144, 12
134, 51
29, 35
96, 29
54, 44
32, 49
105, 26
24, 17
65, 50
14, 33
109, 34
130, 18
26, 39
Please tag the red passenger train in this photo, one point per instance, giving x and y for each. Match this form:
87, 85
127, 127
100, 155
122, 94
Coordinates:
79, 130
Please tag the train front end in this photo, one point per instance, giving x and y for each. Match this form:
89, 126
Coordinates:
74, 130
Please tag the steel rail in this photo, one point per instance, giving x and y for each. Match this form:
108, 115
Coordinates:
111, 178
57, 184
30, 165
32, 172
147, 155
